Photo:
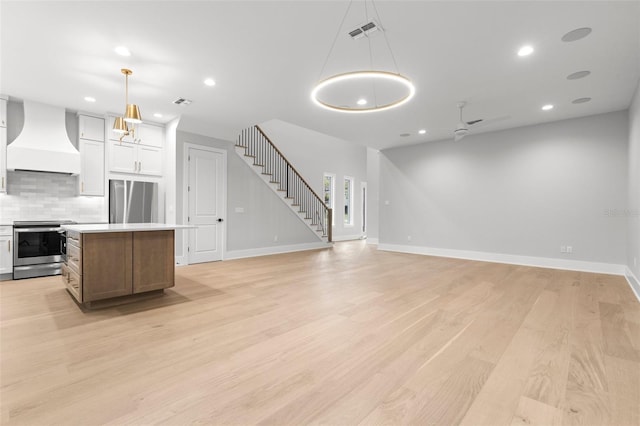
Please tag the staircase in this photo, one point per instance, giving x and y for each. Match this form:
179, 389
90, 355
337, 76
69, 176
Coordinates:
267, 161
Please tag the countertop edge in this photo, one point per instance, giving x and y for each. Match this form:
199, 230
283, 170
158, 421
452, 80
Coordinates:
124, 227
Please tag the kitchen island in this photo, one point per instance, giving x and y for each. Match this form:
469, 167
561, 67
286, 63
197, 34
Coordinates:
113, 262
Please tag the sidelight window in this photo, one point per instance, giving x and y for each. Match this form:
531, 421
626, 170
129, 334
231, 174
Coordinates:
348, 200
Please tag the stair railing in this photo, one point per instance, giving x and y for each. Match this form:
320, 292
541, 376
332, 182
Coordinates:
274, 164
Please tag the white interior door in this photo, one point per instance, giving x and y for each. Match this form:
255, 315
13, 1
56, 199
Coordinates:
206, 192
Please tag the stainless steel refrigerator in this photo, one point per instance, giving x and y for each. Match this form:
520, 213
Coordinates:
133, 201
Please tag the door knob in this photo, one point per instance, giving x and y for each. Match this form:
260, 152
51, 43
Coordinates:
220, 219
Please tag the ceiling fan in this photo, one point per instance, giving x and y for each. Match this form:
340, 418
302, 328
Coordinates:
463, 126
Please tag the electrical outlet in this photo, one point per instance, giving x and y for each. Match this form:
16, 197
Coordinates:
275, 238
563, 249
408, 237
569, 249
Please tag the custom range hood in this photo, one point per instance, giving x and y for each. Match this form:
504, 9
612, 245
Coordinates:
43, 144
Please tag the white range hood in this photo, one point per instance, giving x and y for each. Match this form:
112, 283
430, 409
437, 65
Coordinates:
43, 144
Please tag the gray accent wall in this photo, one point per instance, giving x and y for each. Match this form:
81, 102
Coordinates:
265, 217
525, 191
633, 211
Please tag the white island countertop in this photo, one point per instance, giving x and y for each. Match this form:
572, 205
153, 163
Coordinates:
123, 227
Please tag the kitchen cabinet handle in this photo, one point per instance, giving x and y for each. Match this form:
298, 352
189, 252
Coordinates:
139, 166
82, 190
9, 246
2, 181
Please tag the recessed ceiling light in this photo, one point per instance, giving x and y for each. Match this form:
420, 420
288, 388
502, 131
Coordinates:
89, 99
210, 82
157, 115
525, 51
577, 75
547, 107
422, 131
580, 100
362, 102
576, 34
122, 51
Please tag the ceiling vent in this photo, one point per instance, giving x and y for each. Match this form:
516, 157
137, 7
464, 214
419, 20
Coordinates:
182, 101
365, 30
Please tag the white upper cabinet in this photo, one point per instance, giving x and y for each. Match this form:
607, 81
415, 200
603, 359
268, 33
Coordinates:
140, 153
91, 147
91, 167
151, 135
91, 128
149, 160
126, 157
123, 157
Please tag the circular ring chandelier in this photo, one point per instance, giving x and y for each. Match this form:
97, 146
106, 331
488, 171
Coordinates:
334, 95
366, 75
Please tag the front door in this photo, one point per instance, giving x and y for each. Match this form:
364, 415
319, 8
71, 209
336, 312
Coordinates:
206, 192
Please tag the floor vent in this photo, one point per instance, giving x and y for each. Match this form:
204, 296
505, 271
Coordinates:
364, 30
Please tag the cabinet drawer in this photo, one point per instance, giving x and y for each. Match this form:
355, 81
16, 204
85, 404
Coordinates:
74, 258
6, 230
73, 282
73, 238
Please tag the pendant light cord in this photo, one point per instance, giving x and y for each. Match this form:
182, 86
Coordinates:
384, 33
335, 39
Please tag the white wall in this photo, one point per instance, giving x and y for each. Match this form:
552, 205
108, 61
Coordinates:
265, 215
523, 192
373, 203
313, 154
633, 209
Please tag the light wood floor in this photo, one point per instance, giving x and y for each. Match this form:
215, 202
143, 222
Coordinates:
343, 336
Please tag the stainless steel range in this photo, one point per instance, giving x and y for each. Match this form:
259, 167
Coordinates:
39, 247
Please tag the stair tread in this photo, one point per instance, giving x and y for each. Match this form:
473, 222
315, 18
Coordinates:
263, 152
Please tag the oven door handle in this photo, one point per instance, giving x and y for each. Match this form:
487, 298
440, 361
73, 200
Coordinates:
56, 229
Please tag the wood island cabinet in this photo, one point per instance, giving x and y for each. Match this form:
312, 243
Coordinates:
153, 261
105, 265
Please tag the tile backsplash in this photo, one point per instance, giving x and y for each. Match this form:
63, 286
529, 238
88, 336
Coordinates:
42, 196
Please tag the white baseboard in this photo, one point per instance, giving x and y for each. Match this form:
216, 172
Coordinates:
346, 238
634, 282
541, 262
265, 251
181, 261
372, 240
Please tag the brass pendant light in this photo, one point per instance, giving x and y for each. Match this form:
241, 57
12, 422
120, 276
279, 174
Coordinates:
132, 112
120, 126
